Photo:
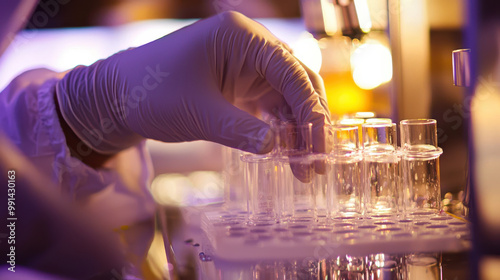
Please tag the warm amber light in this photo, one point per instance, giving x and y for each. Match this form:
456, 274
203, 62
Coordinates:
344, 97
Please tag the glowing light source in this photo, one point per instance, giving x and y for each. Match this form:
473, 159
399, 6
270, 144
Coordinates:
371, 65
307, 50
344, 96
365, 22
171, 189
364, 115
378, 120
351, 122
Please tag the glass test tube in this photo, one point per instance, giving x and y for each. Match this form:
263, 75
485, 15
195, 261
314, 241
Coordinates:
424, 266
344, 169
264, 271
297, 182
260, 177
357, 123
323, 197
292, 138
384, 266
235, 191
381, 168
295, 169
348, 267
420, 165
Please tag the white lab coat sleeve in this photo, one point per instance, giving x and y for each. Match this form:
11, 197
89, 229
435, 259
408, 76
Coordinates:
117, 195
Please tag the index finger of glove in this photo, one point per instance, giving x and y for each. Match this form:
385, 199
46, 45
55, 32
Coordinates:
287, 76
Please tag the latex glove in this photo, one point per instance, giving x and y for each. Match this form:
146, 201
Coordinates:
182, 87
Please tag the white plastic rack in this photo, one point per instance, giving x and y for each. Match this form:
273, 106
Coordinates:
231, 238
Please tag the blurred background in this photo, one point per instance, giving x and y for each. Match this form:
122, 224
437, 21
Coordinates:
396, 63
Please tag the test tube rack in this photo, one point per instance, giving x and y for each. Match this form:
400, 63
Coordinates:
231, 238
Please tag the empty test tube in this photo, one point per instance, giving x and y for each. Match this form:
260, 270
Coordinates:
235, 191
295, 170
297, 182
420, 165
344, 170
261, 180
357, 123
424, 266
381, 168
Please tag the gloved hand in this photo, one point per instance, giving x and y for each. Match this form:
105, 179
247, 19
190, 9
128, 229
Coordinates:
189, 85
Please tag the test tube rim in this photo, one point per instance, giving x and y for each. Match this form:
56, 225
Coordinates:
422, 121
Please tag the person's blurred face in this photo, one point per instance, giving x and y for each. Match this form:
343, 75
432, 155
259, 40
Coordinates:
13, 16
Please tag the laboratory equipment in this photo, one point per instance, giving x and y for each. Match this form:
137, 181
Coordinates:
328, 18
297, 183
381, 168
461, 64
334, 215
344, 169
324, 197
357, 122
461, 67
292, 138
261, 182
385, 266
349, 236
423, 266
348, 267
236, 195
295, 194
420, 165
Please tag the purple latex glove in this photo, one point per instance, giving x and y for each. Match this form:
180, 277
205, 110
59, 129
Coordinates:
186, 86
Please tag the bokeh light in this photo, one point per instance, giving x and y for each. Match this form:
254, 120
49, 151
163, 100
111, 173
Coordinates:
371, 65
307, 50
